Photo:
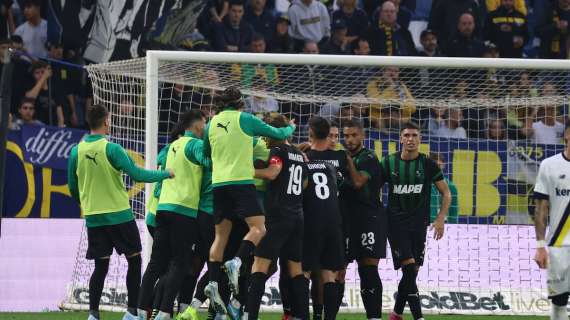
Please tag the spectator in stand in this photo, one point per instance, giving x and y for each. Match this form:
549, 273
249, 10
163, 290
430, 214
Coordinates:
465, 43
338, 43
260, 18
496, 130
553, 31
213, 14
361, 47
355, 18
419, 20
246, 72
549, 128
404, 14
388, 87
7, 25
258, 104
309, 21
387, 37
436, 119
61, 76
428, 39
507, 28
48, 97
34, 30
281, 42
26, 112
360, 74
233, 34
446, 13
519, 5
452, 128
311, 47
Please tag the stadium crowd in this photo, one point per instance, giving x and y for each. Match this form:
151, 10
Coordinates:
454, 28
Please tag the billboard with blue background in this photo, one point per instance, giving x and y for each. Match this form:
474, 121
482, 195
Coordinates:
493, 178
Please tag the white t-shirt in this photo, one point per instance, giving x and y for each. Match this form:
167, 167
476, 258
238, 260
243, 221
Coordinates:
553, 183
544, 134
34, 38
258, 105
444, 131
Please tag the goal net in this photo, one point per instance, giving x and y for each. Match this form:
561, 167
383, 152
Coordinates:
488, 121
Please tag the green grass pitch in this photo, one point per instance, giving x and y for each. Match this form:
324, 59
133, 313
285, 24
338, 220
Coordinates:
266, 316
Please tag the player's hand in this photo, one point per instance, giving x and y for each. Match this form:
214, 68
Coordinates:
171, 173
541, 258
438, 227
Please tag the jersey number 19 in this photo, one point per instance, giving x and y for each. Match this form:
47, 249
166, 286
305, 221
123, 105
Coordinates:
295, 180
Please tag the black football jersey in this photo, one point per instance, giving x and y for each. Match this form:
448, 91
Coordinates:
321, 196
337, 158
284, 195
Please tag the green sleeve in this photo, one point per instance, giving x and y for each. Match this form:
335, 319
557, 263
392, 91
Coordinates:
161, 157
206, 144
72, 174
194, 152
161, 162
253, 126
120, 160
454, 207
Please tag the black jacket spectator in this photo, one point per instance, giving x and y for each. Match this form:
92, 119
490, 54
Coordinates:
338, 43
387, 37
233, 34
281, 42
461, 46
553, 32
260, 19
507, 28
355, 18
445, 14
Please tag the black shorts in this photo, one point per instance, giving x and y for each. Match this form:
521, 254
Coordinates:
407, 243
284, 238
235, 200
323, 246
123, 237
367, 235
206, 234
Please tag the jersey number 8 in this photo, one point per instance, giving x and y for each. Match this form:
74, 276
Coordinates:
321, 187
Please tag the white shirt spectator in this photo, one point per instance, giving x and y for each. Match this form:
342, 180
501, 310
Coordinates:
34, 38
310, 22
445, 132
261, 104
545, 134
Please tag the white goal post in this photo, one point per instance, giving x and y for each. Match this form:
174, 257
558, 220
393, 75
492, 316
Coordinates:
490, 120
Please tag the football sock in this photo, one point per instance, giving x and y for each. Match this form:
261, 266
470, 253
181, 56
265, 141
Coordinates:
316, 297
214, 269
330, 300
300, 295
245, 250
202, 283
409, 288
187, 289
371, 291
285, 285
400, 303
256, 290
96, 283
133, 282
340, 288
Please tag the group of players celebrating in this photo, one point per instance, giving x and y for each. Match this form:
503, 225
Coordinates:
227, 197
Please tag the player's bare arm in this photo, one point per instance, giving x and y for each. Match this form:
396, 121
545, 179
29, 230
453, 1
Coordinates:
269, 173
358, 179
541, 256
439, 223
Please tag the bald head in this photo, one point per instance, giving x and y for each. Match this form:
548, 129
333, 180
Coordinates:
466, 24
311, 47
388, 13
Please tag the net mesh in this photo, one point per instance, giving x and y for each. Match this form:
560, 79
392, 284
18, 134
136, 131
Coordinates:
491, 128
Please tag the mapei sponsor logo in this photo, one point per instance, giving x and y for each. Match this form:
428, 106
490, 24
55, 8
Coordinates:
562, 192
408, 188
